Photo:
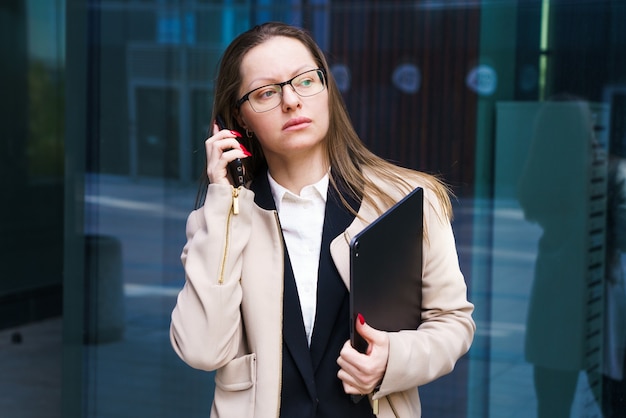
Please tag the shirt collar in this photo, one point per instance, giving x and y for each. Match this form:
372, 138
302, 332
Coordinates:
316, 190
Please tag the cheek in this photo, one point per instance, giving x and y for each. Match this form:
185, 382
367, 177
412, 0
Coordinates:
261, 127
251, 120
326, 111
325, 105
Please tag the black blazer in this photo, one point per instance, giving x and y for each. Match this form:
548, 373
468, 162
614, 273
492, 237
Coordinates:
310, 386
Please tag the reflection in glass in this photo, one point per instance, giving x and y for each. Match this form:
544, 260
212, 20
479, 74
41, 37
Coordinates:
562, 189
614, 353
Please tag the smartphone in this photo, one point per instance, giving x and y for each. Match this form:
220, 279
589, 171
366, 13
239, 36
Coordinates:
235, 167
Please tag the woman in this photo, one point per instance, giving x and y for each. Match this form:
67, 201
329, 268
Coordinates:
265, 301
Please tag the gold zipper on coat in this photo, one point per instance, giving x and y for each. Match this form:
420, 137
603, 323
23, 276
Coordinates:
234, 211
236, 200
375, 405
393, 409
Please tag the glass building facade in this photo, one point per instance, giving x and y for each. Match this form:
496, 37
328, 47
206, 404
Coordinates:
519, 105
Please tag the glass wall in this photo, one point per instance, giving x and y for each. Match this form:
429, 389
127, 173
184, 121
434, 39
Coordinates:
32, 116
520, 105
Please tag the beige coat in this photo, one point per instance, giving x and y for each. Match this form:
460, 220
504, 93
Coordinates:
228, 316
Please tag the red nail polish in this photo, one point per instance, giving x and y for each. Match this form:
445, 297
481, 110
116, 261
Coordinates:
237, 134
361, 319
245, 151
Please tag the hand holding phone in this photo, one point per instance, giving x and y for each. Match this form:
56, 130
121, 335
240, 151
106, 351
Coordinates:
235, 167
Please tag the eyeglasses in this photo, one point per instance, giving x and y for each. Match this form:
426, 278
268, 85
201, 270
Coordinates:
266, 98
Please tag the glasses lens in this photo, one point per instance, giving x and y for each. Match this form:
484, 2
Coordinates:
309, 83
306, 84
266, 98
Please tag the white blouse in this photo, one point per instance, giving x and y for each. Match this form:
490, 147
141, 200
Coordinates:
302, 220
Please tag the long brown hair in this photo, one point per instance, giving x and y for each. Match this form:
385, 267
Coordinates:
347, 155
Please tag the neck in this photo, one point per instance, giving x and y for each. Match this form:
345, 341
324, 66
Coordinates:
294, 174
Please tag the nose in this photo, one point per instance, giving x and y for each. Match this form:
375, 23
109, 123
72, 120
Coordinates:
291, 99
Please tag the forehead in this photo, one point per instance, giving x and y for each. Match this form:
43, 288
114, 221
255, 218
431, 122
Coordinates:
274, 60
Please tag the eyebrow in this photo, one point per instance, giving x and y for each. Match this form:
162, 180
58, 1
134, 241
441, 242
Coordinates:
273, 80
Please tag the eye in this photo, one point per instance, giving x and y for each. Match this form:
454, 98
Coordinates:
305, 82
266, 93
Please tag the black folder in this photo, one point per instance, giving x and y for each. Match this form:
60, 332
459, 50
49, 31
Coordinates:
386, 269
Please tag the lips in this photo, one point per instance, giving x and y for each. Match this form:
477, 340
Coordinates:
294, 123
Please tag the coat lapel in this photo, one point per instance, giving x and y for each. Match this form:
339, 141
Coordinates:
340, 245
294, 336
331, 290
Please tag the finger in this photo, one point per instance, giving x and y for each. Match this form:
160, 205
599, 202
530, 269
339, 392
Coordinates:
354, 386
221, 149
353, 390
369, 334
347, 361
362, 374
224, 140
378, 341
365, 382
222, 134
351, 360
366, 371
350, 386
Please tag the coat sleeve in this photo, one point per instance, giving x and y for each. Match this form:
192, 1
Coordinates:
206, 327
420, 356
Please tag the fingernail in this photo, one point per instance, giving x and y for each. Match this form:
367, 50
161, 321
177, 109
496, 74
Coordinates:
361, 319
245, 151
237, 134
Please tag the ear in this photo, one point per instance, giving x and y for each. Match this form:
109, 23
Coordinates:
240, 119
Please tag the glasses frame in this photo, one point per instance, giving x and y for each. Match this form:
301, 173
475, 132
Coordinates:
246, 97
